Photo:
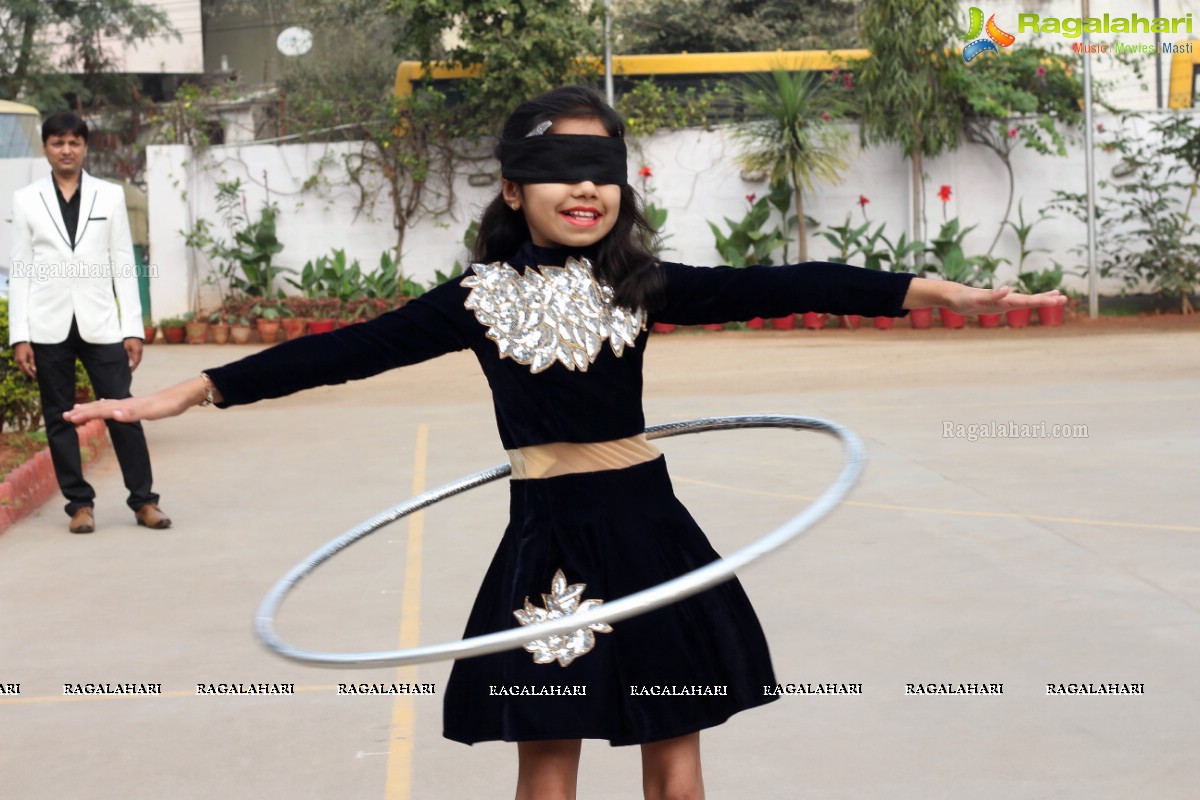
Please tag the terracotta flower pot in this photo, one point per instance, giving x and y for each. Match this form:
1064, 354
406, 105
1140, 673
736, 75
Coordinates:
989, 320
1018, 317
320, 325
951, 319
784, 323
712, 326
240, 334
150, 332
174, 335
814, 321
294, 327
197, 332
756, 323
851, 321
268, 330
1050, 316
662, 327
921, 318
884, 323
220, 332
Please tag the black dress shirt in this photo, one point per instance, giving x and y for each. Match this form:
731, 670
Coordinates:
70, 211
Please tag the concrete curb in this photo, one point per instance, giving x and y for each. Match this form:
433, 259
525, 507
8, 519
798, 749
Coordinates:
30, 485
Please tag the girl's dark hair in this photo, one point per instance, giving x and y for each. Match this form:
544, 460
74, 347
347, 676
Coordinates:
624, 259
61, 124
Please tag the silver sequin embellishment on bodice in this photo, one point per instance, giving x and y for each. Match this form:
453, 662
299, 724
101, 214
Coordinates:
563, 601
550, 314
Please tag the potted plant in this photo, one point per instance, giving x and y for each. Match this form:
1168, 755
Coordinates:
268, 315
324, 315
952, 264
219, 326
747, 243
1046, 280
196, 328
896, 255
855, 243
240, 329
295, 324
174, 329
985, 277
1019, 317
814, 321
150, 331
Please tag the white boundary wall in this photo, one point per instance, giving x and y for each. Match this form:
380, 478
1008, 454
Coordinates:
694, 178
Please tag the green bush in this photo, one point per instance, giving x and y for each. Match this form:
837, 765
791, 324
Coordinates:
20, 402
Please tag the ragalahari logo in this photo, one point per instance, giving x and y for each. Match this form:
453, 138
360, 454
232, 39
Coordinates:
988, 43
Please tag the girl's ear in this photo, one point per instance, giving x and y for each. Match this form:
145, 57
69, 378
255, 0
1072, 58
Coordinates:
511, 192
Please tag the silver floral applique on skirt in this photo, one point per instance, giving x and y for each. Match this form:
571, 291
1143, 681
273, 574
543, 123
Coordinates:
563, 601
550, 314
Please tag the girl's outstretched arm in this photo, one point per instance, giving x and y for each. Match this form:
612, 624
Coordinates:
923, 293
168, 402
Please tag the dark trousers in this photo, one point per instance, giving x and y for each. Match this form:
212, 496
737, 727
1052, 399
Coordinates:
107, 366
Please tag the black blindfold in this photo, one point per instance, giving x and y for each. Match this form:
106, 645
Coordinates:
565, 158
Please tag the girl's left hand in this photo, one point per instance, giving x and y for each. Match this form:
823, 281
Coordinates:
966, 300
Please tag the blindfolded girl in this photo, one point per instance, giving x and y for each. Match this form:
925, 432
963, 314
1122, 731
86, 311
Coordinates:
556, 309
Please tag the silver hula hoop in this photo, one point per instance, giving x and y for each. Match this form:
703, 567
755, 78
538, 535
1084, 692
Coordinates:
611, 611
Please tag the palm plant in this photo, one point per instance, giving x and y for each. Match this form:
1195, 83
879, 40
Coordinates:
791, 134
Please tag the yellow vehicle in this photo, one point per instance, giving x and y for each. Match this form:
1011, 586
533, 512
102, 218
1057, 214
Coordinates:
20, 130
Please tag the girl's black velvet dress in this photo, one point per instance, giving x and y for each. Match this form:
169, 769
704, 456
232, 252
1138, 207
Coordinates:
673, 671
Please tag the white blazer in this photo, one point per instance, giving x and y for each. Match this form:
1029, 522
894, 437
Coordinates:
96, 282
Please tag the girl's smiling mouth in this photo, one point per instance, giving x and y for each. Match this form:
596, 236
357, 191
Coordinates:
583, 216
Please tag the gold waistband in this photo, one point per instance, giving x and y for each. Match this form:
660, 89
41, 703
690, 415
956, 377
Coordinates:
567, 458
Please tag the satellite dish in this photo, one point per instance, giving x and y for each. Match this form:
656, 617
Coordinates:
294, 41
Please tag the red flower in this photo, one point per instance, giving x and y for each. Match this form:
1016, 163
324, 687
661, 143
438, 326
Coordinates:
1041, 72
1012, 133
848, 80
645, 172
862, 201
825, 116
750, 198
944, 193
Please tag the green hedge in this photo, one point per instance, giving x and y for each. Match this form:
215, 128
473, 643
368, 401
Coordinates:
20, 403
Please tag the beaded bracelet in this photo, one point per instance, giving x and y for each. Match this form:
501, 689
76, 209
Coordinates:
208, 390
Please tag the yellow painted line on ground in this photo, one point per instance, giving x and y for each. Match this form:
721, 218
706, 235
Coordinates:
92, 698
951, 511
400, 737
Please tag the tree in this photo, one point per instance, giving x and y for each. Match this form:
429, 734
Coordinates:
81, 28
905, 85
718, 26
524, 47
1029, 97
791, 134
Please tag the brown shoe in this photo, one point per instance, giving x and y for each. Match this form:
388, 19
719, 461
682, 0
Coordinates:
82, 521
152, 516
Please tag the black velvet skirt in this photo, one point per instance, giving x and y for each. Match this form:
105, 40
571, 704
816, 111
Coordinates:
667, 673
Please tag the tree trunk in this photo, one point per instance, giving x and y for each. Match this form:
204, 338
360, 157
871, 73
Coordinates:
802, 228
918, 209
1012, 187
16, 84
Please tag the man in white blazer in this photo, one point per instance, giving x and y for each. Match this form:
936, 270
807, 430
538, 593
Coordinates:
73, 293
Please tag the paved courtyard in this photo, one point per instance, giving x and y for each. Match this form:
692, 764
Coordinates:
1026, 561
